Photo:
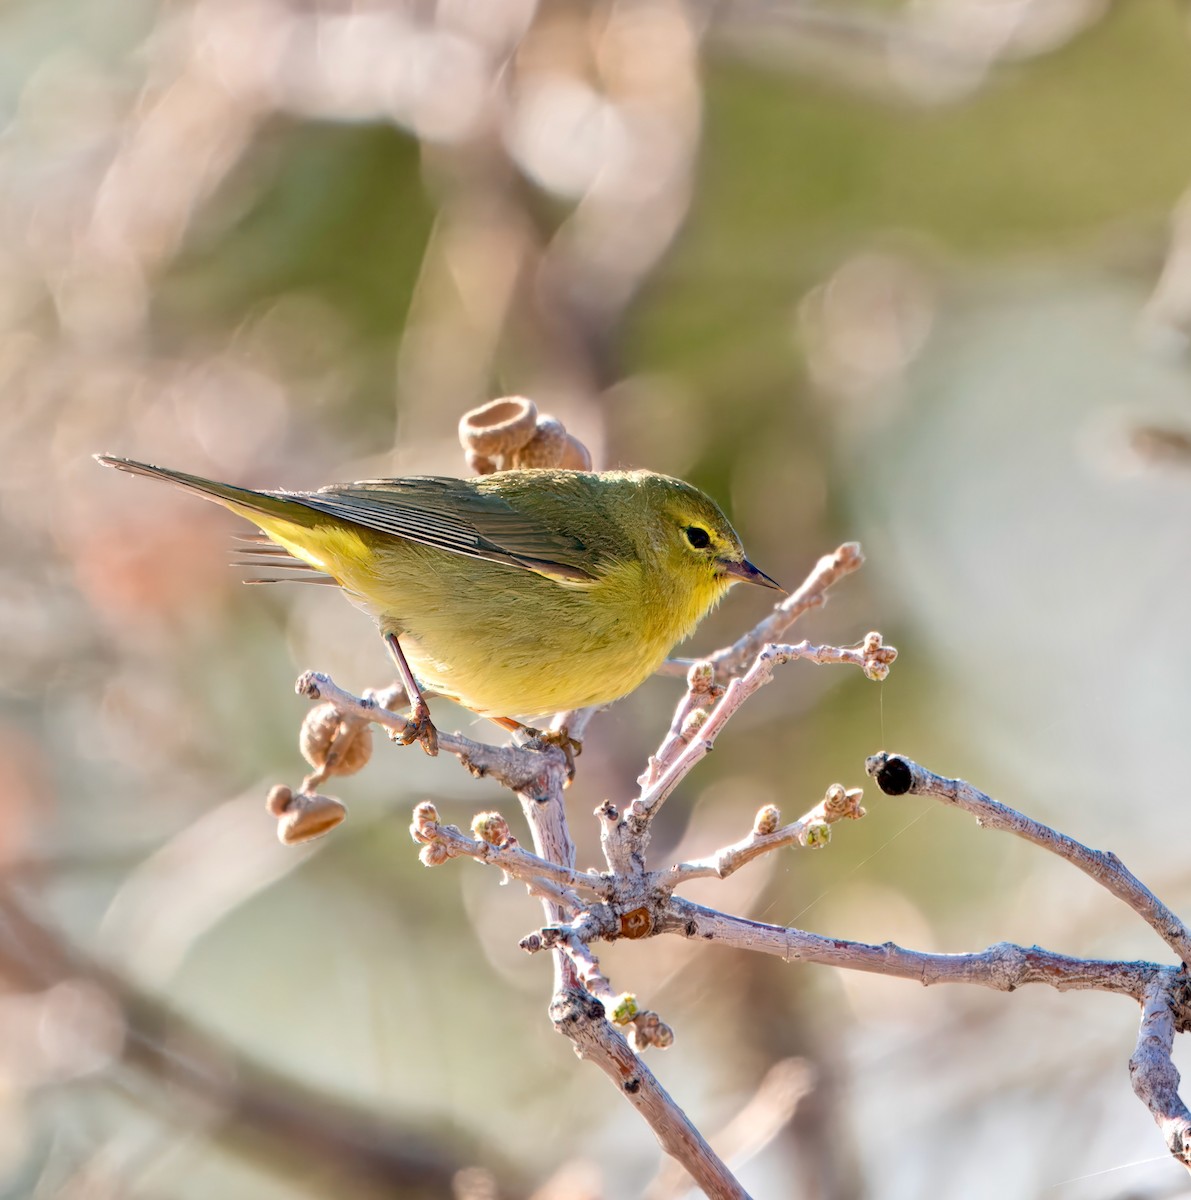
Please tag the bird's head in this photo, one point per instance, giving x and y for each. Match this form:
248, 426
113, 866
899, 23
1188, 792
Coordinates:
694, 541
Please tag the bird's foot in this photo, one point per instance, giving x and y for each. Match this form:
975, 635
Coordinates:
570, 747
419, 728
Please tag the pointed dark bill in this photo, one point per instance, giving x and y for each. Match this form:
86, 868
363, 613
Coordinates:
743, 569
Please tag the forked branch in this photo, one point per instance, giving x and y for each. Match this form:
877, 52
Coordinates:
629, 900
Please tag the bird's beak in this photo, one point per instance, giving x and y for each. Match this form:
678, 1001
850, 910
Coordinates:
743, 569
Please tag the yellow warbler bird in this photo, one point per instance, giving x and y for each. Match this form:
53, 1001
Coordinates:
516, 594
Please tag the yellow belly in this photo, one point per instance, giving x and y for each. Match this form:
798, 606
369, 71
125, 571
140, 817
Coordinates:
519, 644
502, 640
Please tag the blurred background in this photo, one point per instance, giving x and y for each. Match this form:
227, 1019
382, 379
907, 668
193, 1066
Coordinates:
916, 274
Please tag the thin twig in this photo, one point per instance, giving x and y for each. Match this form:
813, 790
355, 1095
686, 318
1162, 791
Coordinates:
897, 775
581, 1017
1003, 967
811, 829
829, 570
518, 768
587, 966
701, 693
762, 1118
1152, 1072
874, 657
252, 1109
513, 859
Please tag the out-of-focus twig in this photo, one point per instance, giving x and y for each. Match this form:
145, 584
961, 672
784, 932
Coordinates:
758, 1122
245, 1105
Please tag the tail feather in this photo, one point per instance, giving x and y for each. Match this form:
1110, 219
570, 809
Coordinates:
242, 500
294, 579
262, 549
271, 564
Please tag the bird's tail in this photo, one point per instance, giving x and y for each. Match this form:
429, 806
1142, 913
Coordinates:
244, 501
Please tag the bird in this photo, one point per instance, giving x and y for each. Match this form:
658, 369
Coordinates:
516, 594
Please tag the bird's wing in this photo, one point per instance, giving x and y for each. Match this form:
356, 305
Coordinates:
452, 515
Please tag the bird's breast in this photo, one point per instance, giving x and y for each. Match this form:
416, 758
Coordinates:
508, 642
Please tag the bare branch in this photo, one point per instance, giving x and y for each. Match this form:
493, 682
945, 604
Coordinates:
767, 1112
508, 856
587, 966
580, 1016
1003, 967
701, 693
874, 657
1152, 1072
813, 829
829, 570
516, 767
898, 776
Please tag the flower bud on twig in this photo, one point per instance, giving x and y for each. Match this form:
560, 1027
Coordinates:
768, 818
877, 657
623, 1009
544, 448
693, 722
843, 803
434, 854
700, 677
425, 822
648, 1029
491, 827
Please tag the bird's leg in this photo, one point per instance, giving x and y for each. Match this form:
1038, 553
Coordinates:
570, 746
418, 726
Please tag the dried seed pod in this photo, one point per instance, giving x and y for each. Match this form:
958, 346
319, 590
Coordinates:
545, 448
498, 427
479, 464
334, 743
575, 455
308, 816
278, 800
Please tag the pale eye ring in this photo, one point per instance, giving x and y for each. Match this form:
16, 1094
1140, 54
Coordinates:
698, 537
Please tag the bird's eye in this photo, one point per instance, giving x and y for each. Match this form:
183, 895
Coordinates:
699, 538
